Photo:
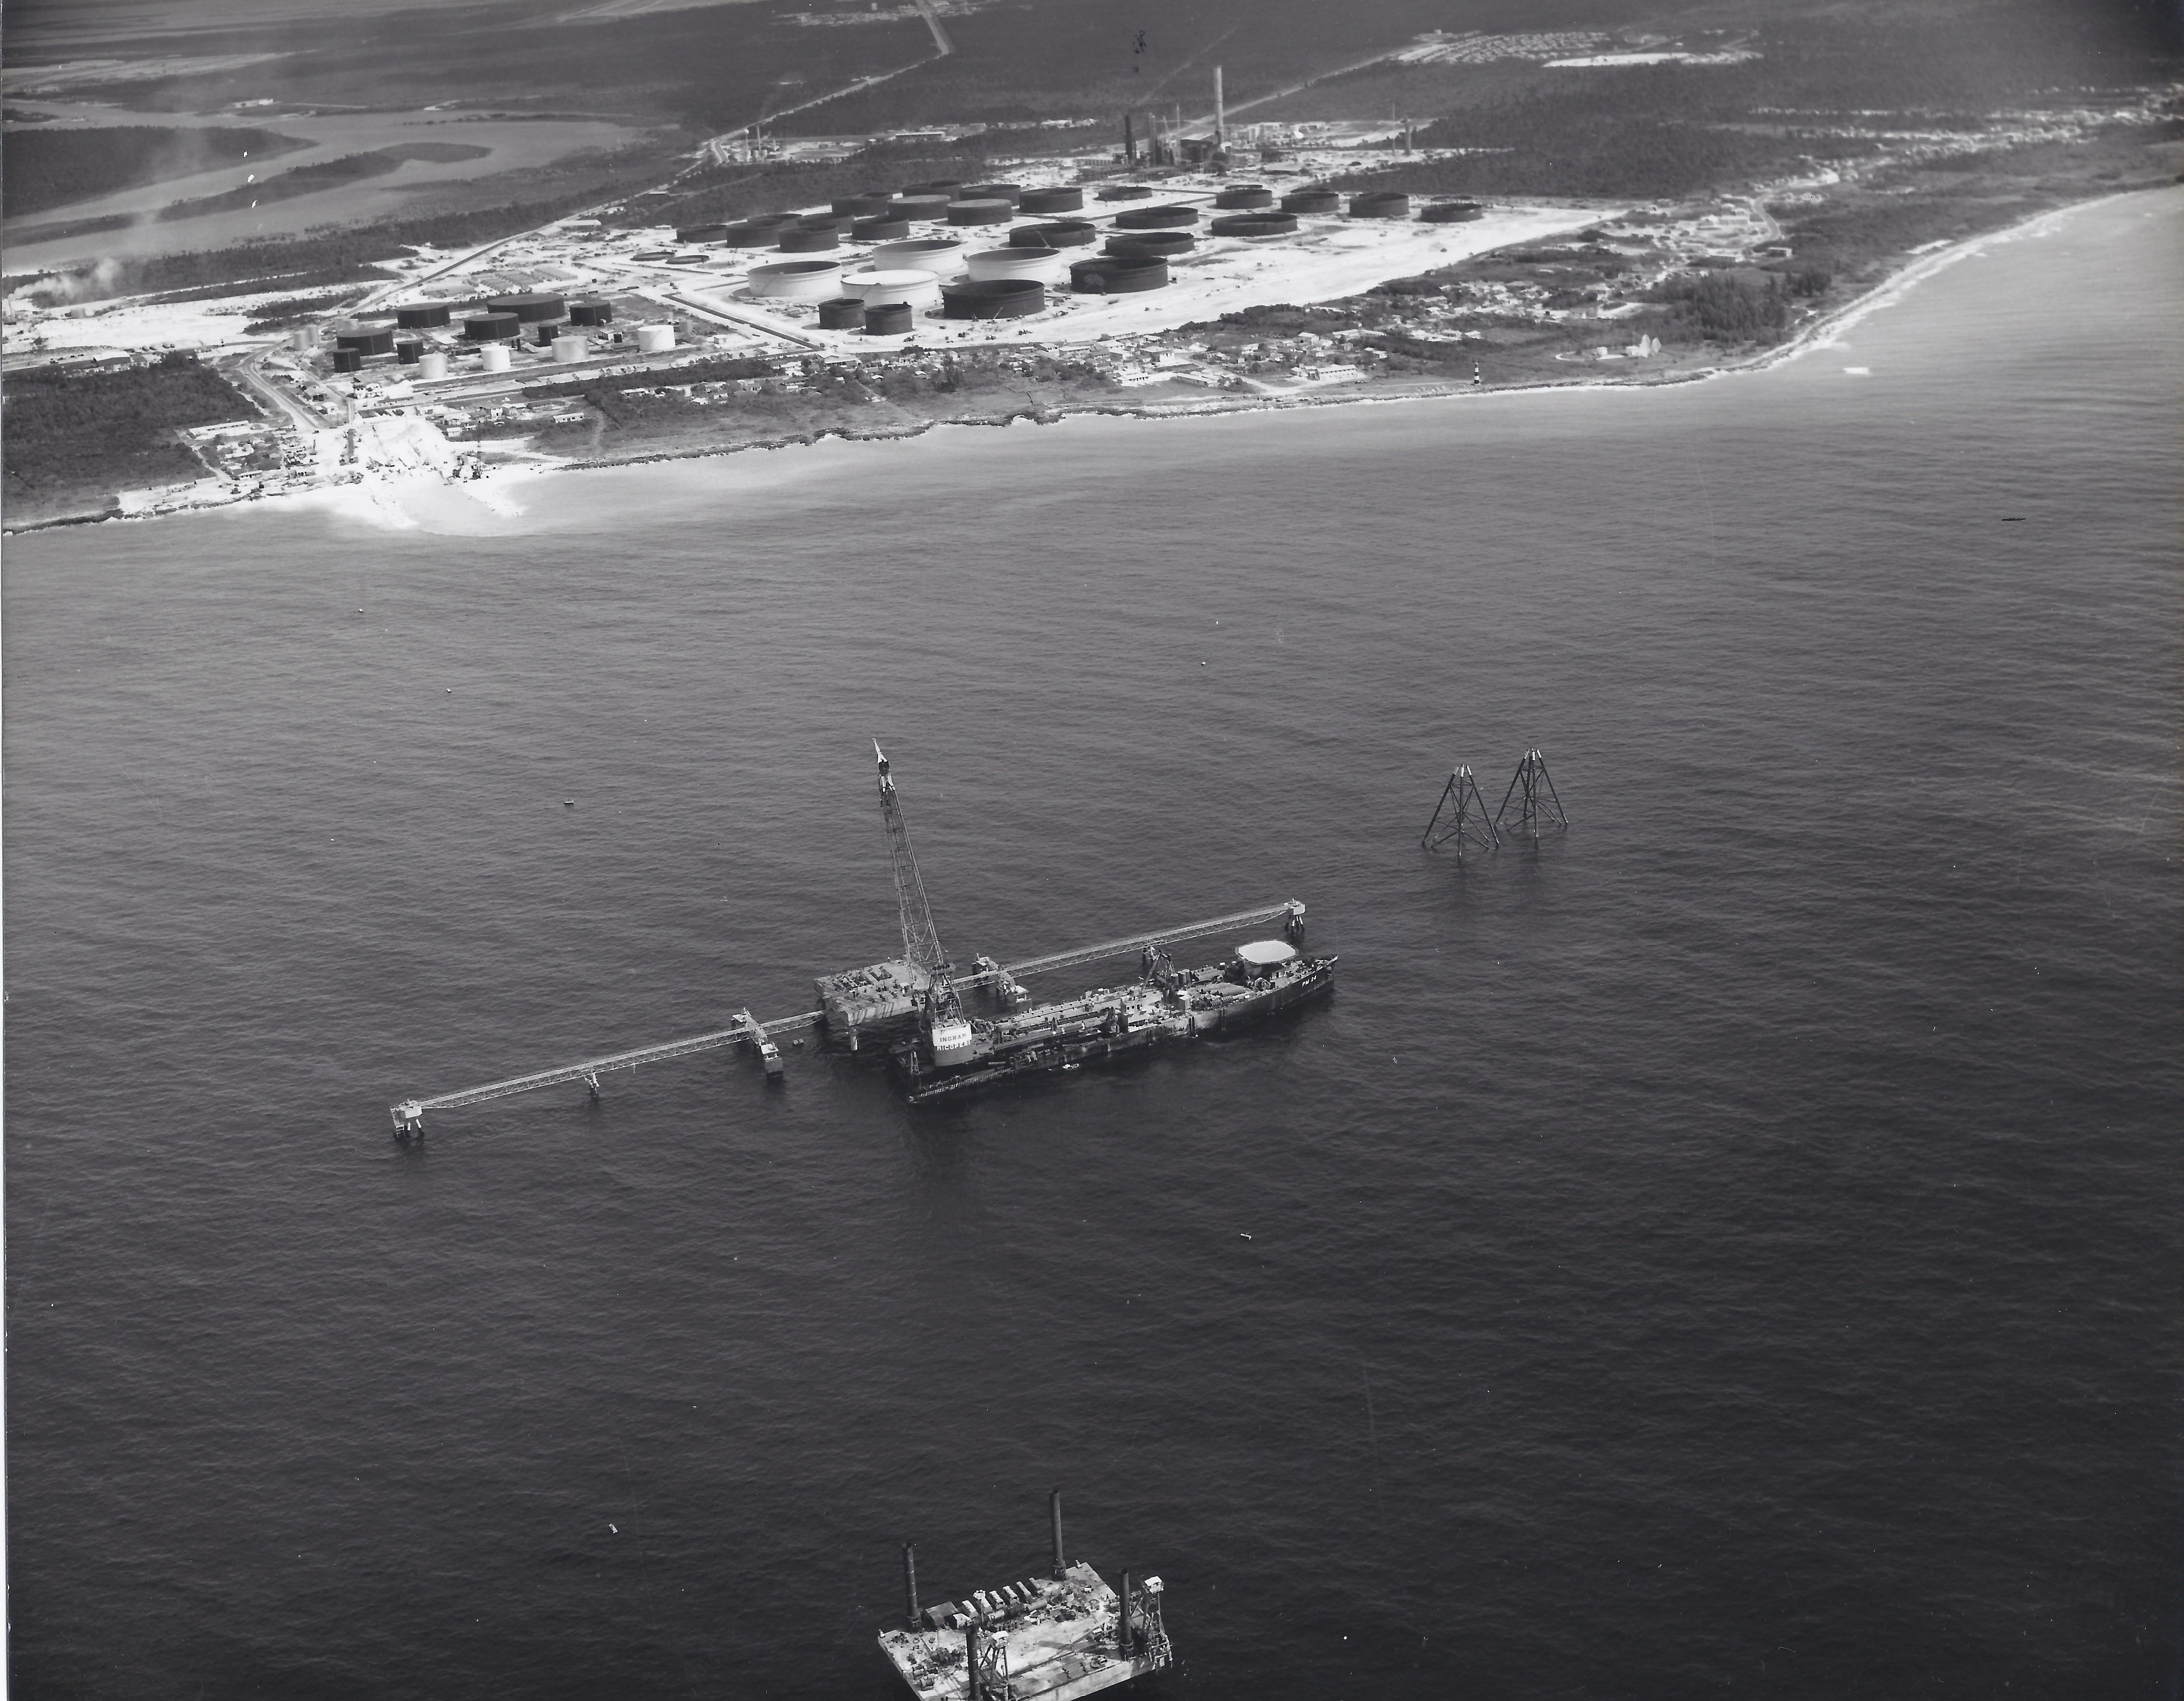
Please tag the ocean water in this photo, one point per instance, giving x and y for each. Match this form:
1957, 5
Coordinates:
1728, 1249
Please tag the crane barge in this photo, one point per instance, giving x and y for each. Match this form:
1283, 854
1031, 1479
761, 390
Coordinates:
914, 1007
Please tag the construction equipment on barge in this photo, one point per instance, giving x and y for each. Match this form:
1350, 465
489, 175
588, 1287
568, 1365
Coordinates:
1050, 1638
914, 1006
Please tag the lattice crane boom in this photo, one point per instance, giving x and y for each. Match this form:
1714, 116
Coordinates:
921, 941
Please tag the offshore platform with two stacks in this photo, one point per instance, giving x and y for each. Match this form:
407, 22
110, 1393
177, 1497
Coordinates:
1050, 1637
920, 1013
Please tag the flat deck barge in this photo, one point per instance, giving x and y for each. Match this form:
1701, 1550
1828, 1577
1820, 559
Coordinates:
1168, 1004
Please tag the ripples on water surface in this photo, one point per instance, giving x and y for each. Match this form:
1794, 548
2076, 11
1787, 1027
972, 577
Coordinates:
1730, 1248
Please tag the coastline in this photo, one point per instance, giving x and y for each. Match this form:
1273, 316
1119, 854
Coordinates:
1822, 332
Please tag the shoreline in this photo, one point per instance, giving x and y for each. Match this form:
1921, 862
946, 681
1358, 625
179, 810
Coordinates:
1822, 332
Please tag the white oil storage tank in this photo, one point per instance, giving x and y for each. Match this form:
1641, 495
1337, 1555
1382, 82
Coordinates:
1046, 264
569, 349
494, 357
797, 281
304, 338
942, 256
654, 339
431, 363
916, 289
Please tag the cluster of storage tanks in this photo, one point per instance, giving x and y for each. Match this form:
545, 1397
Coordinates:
424, 334
905, 273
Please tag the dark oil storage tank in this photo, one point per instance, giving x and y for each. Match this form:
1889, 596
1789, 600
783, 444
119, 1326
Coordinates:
1127, 191
1117, 274
543, 335
591, 312
993, 298
842, 312
750, 234
949, 188
694, 233
1163, 243
531, 309
421, 316
939, 255
408, 353
889, 318
1055, 233
1056, 200
824, 221
1155, 218
1380, 203
1010, 192
365, 339
921, 206
800, 239
493, 327
1243, 197
985, 211
1268, 224
348, 360
865, 205
880, 228
1451, 212
1312, 202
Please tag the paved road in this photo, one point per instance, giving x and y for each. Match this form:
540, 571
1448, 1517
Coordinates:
288, 405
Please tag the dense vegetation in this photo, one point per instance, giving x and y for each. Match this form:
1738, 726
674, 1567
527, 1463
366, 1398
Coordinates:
296, 309
43, 169
1671, 130
71, 438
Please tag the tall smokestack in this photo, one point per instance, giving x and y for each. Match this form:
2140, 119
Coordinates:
910, 1585
1126, 1638
1129, 139
978, 1691
1054, 1510
1220, 113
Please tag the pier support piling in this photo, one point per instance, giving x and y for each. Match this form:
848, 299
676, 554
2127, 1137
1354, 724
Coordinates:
1459, 819
1537, 804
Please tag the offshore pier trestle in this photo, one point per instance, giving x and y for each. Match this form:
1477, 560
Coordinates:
1051, 1636
951, 1048
408, 1115
900, 999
